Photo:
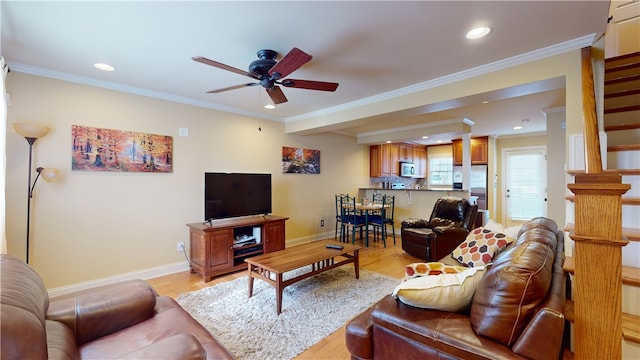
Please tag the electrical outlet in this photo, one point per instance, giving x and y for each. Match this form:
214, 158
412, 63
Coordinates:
322, 222
180, 246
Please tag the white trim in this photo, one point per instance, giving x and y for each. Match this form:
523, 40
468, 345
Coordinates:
85, 80
140, 274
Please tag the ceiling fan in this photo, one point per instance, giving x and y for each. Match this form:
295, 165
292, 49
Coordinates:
271, 73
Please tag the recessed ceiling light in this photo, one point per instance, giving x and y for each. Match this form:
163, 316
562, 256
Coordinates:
439, 141
425, 137
389, 141
104, 67
269, 107
478, 32
485, 102
517, 127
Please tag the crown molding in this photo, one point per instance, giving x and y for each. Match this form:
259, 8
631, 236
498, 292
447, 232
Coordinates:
535, 55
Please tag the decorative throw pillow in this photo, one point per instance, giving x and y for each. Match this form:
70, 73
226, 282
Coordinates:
446, 292
431, 268
479, 246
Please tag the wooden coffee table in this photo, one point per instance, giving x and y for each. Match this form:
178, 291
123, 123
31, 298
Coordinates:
270, 267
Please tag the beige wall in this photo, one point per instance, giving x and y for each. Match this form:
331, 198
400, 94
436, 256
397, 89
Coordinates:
91, 225
95, 225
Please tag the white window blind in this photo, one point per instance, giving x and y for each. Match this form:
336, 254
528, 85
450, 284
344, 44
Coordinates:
526, 192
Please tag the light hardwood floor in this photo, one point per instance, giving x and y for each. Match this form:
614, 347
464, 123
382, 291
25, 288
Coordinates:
389, 261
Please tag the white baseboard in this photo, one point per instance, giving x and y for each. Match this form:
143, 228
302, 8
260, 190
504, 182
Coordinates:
157, 271
140, 274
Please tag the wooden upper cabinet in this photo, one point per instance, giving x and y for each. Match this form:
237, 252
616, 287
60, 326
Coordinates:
457, 152
384, 159
375, 160
420, 160
405, 152
479, 151
393, 160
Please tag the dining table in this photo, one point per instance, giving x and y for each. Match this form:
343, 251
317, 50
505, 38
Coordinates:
368, 209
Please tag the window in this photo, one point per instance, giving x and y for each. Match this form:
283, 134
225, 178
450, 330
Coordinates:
440, 170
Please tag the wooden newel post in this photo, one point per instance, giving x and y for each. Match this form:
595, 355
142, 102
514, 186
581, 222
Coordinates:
598, 265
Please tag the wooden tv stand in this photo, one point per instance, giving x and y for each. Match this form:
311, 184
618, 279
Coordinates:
212, 250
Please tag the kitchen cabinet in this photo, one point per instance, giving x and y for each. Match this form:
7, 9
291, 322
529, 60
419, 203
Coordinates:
375, 161
405, 152
393, 161
479, 151
420, 160
384, 159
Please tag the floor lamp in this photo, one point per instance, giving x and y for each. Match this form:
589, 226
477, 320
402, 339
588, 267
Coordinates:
32, 133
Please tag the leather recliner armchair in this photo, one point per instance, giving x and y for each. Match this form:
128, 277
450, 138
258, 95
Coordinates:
451, 220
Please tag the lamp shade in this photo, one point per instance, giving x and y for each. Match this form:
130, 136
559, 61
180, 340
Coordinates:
30, 130
49, 174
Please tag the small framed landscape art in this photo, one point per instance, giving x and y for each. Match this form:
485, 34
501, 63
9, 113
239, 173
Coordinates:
300, 161
96, 149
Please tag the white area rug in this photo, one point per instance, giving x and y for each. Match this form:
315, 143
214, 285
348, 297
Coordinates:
311, 310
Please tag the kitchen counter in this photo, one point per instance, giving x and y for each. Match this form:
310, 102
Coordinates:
411, 202
414, 189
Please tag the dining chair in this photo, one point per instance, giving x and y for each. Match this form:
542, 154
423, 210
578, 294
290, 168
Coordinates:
386, 217
339, 198
351, 218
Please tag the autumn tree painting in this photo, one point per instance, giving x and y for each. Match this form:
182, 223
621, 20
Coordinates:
299, 160
95, 149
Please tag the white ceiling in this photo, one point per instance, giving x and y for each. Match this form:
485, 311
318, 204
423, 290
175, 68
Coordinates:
371, 48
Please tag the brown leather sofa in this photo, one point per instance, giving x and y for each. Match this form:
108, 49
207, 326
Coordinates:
516, 312
451, 220
121, 321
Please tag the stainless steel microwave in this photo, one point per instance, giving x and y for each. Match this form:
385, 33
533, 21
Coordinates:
407, 169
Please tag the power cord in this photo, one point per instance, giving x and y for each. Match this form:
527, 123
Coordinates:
184, 251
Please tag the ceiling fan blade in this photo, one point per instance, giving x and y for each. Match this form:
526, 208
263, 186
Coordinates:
289, 63
204, 60
276, 94
231, 88
309, 84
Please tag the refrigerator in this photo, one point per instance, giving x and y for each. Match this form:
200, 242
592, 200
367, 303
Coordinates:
477, 186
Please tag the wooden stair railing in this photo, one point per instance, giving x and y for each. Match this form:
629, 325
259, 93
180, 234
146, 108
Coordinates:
598, 240
630, 323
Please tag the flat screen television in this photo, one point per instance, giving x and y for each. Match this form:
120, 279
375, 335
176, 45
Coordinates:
236, 194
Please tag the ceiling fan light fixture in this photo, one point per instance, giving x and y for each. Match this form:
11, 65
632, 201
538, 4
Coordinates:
479, 32
104, 67
269, 73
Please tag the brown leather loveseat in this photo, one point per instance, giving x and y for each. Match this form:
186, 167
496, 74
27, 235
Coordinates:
516, 312
126, 320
